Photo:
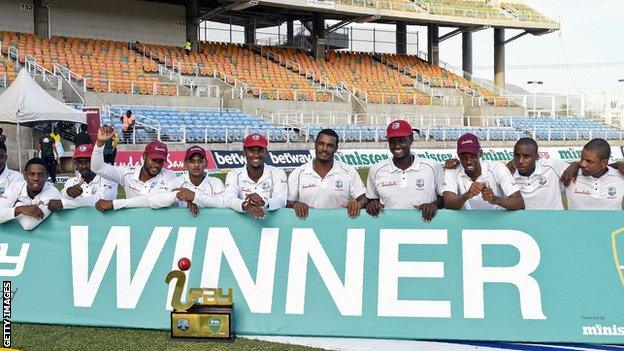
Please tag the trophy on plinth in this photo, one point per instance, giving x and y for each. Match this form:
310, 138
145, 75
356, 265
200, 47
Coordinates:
208, 313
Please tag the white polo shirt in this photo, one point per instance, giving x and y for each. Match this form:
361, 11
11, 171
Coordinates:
8, 177
542, 189
493, 173
402, 189
589, 193
98, 188
207, 194
333, 191
128, 178
272, 188
17, 195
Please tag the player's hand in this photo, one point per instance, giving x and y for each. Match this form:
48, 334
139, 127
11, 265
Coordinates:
104, 205
55, 205
193, 208
75, 191
254, 210
511, 166
104, 134
569, 175
185, 194
353, 209
428, 211
301, 210
374, 207
255, 199
488, 195
30, 211
451, 163
475, 189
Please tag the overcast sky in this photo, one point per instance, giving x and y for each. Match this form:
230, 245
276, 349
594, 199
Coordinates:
587, 54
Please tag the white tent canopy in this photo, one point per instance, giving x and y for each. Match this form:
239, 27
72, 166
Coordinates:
25, 102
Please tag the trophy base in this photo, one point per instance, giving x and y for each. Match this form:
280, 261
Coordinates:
203, 323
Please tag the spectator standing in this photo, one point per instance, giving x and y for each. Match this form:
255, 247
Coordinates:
83, 137
48, 153
127, 126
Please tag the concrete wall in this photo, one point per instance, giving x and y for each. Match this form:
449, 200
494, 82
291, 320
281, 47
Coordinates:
392, 109
147, 22
101, 99
15, 19
251, 105
494, 111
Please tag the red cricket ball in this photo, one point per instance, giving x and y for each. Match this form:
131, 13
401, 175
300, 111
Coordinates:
184, 264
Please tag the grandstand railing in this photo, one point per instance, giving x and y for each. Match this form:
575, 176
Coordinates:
416, 119
241, 86
383, 5
285, 117
36, 70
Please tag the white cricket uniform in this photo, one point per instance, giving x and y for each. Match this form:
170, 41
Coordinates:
589, 193
128, 178
98, 188
402, 189
493, 173
542, 189
17, 195
8, 177
272, 188
341, 182
207, 194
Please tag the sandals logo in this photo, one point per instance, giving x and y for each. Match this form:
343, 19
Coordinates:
617, 243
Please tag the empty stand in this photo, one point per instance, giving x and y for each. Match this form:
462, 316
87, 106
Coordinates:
195, 125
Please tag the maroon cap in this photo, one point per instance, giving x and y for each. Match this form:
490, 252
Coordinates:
468, 143
399, 129
194, 150
83, 151
156, 150
256, 140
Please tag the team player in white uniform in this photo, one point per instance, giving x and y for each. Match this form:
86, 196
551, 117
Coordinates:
325, 182
479, 185
193, 190
149, 179
86, 188
405, 181
597, 186
27, 201
257, 187
7, 176
539, 180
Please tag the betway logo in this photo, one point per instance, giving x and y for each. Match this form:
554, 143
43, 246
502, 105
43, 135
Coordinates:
288, 158
601, 330
229, 158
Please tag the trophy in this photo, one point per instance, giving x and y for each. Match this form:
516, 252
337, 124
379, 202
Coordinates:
207, 315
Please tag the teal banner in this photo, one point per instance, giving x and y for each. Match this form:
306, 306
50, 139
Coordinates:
510, 276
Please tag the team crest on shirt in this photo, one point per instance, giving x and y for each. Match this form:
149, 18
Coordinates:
611, 191
541, 180
338, 184
1, 190
93, 191
266, 186
420, 182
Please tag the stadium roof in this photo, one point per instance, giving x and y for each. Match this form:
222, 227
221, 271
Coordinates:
269, 12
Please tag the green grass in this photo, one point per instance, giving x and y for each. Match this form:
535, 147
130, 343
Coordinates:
55, 337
